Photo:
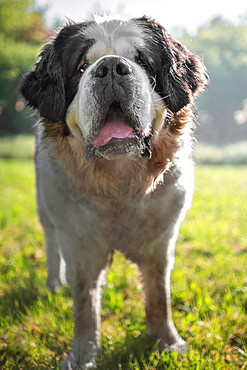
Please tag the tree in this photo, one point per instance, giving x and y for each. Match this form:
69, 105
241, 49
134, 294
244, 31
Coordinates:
223, 47
22, 31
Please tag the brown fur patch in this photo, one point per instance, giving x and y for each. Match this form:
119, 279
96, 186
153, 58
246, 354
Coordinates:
167, 142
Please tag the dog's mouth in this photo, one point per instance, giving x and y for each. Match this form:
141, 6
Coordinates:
118, 137
116, 126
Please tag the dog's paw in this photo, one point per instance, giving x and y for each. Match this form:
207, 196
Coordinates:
69, 363
179, 346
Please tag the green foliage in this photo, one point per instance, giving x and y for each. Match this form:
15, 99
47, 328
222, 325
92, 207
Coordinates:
209, 291
21, 22
22, 31
223, 47
18, 147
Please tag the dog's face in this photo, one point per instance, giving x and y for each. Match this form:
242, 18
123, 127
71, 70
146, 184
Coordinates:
110, 83
113, 107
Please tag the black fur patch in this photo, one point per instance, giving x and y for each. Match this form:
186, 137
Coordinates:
179, 74
52, 85
43, 88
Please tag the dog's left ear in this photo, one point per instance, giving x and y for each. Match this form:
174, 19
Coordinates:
183, 78
43, 88
179, 74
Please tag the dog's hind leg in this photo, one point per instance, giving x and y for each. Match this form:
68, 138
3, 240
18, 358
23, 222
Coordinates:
53, 259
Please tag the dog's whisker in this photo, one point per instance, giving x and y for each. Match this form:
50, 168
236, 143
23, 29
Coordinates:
164, 97
153, 83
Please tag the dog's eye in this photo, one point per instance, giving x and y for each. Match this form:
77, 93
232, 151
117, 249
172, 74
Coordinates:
83, 67
144, 63
139, 61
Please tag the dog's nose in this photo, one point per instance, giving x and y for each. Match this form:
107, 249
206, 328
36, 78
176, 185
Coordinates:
112, 66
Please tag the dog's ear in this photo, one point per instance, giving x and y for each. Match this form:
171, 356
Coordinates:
179, 74
183, 78
43, 88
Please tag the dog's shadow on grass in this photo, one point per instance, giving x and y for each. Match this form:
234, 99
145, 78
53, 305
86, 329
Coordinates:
129, 352
22, 293
22, 290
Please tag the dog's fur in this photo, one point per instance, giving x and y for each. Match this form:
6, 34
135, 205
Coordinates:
93, 199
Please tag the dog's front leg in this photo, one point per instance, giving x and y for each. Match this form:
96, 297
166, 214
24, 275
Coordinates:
86, 291
156, 276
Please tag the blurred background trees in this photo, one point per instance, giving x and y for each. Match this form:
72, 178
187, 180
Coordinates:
222, 111
22, 31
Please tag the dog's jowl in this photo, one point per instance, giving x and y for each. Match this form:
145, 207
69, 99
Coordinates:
113, 163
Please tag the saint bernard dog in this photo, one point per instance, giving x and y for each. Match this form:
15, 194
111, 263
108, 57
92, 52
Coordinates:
114, 164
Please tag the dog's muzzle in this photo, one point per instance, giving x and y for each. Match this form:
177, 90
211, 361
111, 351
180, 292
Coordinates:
121, 129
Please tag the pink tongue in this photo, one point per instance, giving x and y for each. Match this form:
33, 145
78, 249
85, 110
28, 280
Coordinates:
113, 128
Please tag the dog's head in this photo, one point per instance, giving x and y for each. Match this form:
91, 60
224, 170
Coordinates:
111, 83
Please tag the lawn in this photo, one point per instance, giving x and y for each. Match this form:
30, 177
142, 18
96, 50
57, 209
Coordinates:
209, 283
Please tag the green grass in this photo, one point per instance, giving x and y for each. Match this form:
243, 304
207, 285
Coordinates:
235, 153
209, 284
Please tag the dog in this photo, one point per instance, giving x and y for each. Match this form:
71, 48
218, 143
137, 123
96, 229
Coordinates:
114, 163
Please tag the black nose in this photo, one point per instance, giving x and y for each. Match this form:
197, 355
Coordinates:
113, 66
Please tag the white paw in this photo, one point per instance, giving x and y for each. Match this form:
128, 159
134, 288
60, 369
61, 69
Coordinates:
180, 347
70, 363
